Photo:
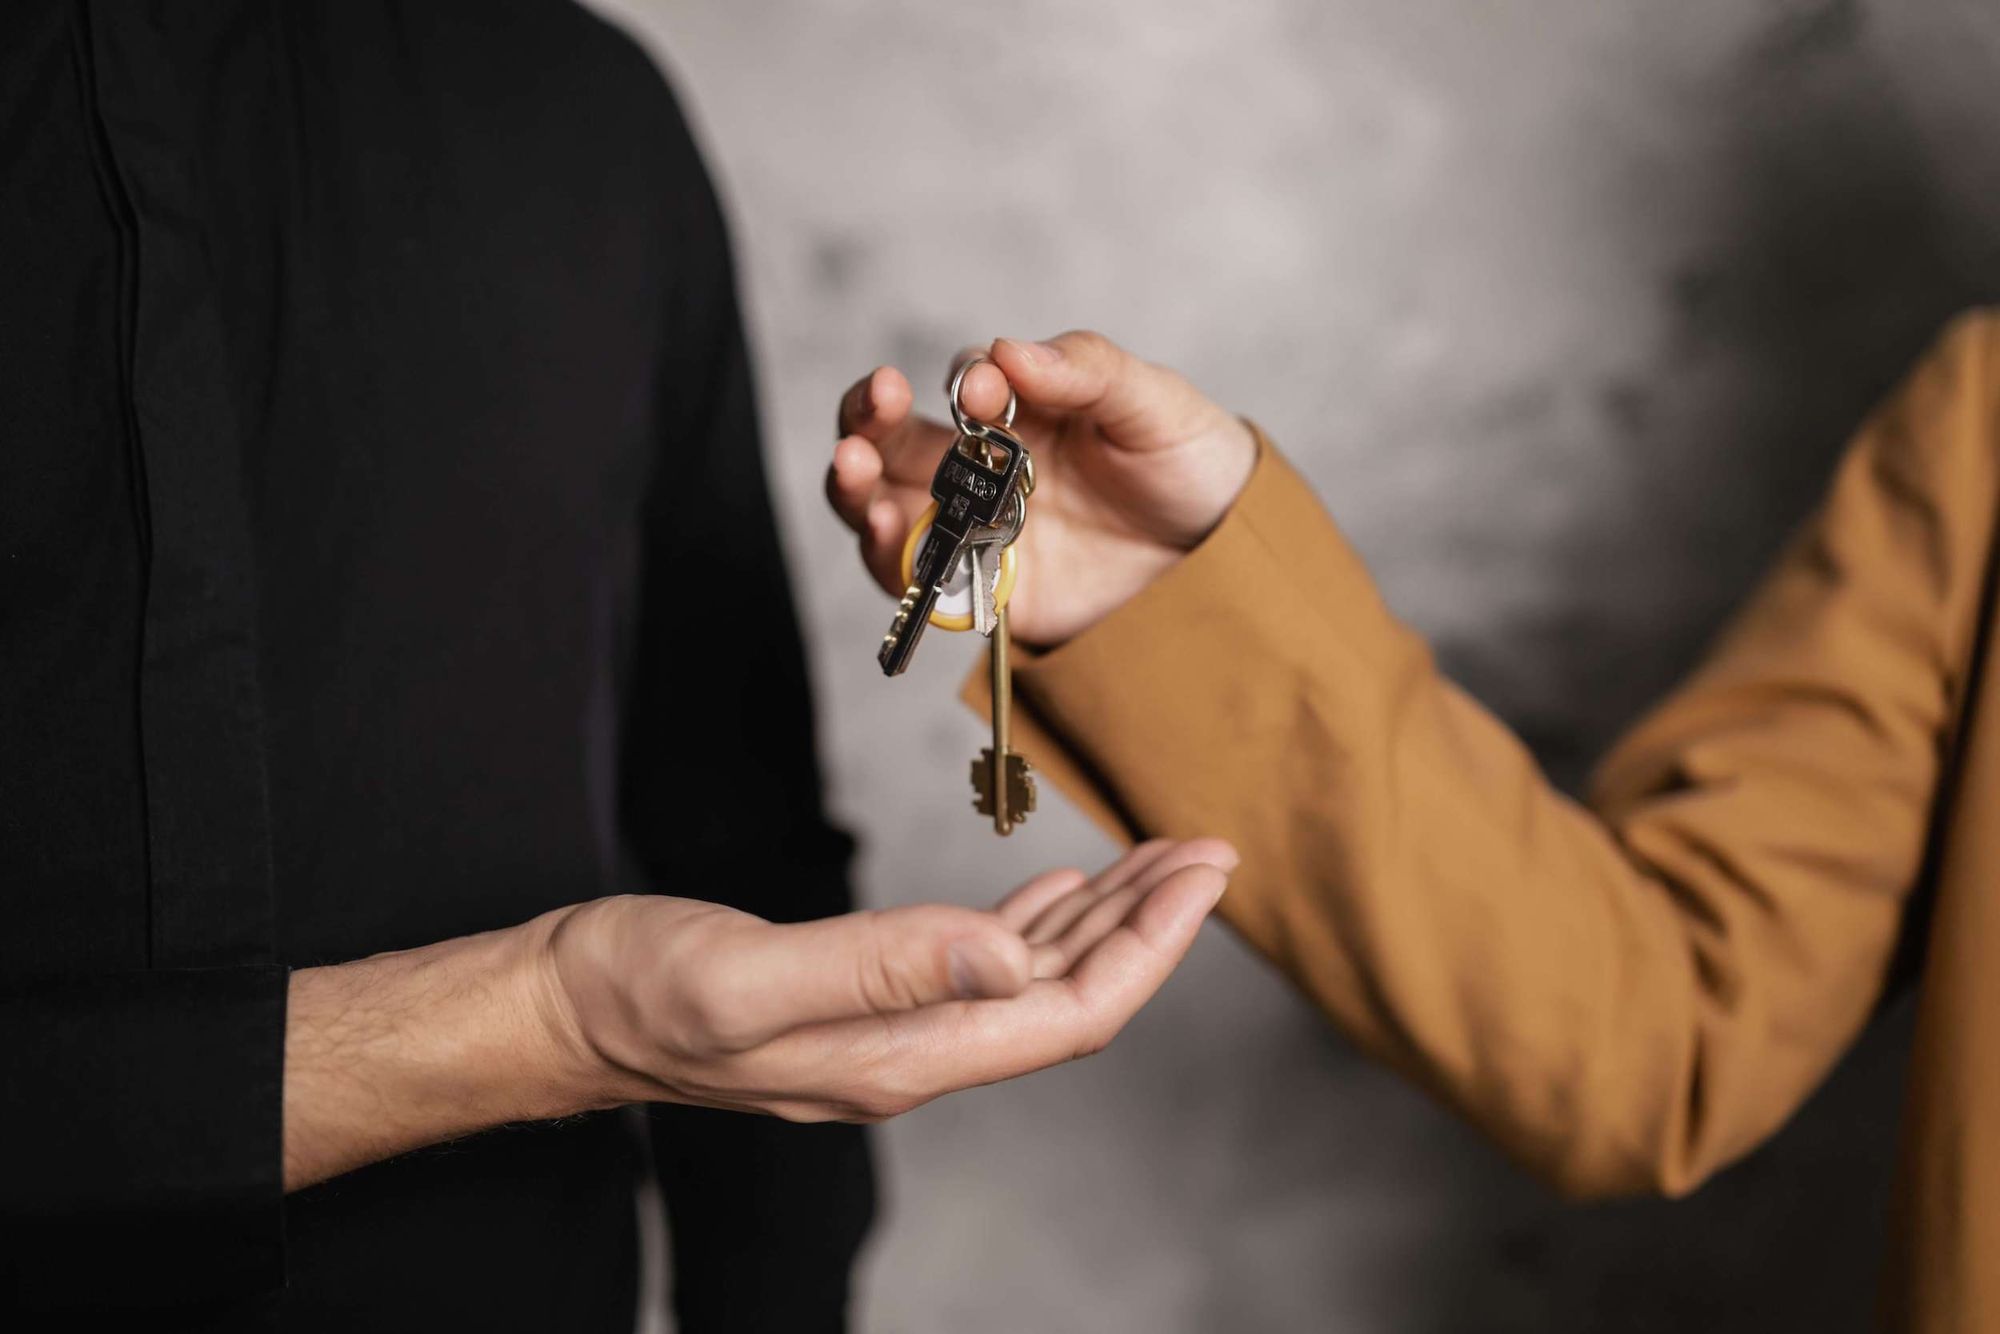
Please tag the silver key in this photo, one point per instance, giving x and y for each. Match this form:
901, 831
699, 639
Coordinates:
977, 561
991, 546
984, 556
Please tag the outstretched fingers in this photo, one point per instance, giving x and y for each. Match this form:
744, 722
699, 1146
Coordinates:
1060, 1019
1058, 951
1028, 901
883, 1066
1057, 915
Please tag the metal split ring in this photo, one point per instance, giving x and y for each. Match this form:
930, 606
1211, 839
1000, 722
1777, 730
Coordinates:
966, 425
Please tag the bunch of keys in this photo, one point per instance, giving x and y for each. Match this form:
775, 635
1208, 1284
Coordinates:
959, 568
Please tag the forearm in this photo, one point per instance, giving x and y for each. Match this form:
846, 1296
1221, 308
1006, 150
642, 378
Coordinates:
642, 997
393, 1052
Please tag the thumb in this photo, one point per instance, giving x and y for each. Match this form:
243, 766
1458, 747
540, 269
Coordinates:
868, 963
1136, 404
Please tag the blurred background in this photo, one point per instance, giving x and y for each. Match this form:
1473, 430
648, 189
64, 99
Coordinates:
1566, 306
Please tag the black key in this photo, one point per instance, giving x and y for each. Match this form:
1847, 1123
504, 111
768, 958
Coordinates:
971, 493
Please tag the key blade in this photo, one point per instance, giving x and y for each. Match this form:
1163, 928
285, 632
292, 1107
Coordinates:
935, 562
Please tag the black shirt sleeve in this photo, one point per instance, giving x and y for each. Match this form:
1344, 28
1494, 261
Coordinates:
720, 800
141, 1155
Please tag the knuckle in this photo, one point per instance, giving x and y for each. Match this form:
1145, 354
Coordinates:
709, 1020
729, 1036
692, 1030
1089, 343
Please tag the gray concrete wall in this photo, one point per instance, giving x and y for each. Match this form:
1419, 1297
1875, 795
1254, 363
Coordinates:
1566, 306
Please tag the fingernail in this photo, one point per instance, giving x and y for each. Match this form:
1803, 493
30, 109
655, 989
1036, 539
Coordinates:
1035, 354
866, 405
1228, 861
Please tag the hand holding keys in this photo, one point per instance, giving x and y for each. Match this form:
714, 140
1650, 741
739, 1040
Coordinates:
980, 506
1138, 467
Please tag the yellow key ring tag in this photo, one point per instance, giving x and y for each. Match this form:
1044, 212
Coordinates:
954, 605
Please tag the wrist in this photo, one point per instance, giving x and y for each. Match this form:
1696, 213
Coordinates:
1228, 460
572, 1061
404, 1049
1206, 482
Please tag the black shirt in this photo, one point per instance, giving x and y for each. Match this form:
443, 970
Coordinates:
384, 555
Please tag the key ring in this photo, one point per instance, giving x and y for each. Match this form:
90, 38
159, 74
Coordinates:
982, 433
966, 426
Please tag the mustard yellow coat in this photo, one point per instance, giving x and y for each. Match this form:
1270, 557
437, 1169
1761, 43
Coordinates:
1630, 994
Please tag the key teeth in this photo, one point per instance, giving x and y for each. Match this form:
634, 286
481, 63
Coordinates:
899, 629
1020, 786
982, 783
1019, 776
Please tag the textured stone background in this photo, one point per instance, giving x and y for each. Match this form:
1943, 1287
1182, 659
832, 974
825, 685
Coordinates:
1566, 306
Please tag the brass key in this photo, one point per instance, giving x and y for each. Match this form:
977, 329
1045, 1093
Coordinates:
1003, 784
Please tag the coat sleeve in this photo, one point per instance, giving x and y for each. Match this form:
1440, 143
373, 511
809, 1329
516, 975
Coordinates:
1628, 995
720, 800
